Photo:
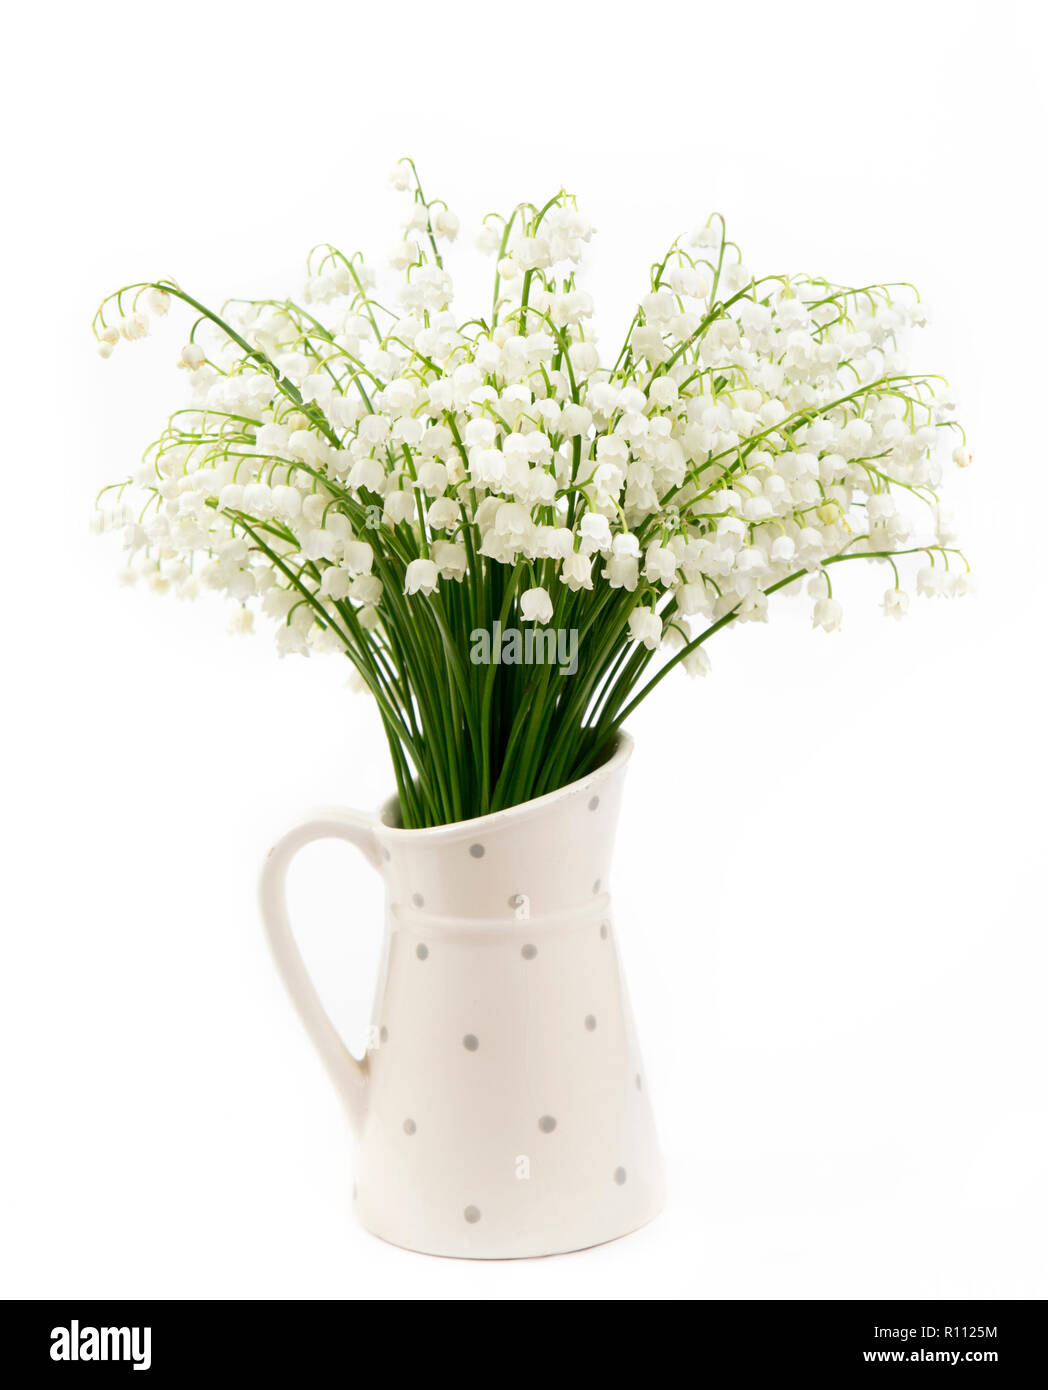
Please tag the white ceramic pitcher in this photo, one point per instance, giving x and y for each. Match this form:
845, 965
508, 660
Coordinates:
501, 1109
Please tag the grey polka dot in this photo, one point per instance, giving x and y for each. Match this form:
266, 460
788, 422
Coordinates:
422, 950
594, 802
472, 1215
590, 1022
471, 1042
547, 1124
603, 931
418, 900
354, 1192
385, 852
639, 1083
619, 1175
477, 852
529, 952
410, 1126
383, 1034
596, 885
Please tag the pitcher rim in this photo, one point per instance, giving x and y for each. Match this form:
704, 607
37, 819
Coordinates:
499, 819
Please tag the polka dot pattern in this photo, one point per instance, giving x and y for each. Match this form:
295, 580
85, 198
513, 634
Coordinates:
476, 928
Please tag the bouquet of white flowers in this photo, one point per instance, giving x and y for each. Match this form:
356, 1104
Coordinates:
513, 540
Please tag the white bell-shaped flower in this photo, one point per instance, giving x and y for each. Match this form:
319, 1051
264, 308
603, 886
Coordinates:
536, 606
420, 577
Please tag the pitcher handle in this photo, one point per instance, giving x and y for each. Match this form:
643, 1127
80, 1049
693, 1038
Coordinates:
348, 1074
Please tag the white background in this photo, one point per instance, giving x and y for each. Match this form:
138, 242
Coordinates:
831, 862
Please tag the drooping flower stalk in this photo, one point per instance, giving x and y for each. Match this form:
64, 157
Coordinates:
512, 543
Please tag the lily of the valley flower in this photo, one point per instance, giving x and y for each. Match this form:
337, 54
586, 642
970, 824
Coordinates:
421, 577
827, 614
363, 445
646, 627
536, 606
895, 603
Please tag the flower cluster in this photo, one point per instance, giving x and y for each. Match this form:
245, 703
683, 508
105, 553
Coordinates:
383, 479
